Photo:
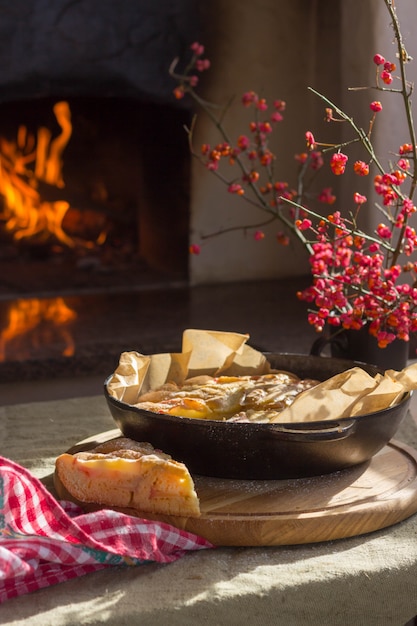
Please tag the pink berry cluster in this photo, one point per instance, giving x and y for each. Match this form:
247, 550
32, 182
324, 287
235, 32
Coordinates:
352, 285
384, 69
188, 80
251, 150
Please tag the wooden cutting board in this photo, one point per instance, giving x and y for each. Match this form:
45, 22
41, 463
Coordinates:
343, 504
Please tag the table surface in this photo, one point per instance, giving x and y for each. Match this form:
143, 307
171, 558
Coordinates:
367, 580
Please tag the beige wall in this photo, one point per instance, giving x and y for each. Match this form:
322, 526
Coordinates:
270, 47
279, 49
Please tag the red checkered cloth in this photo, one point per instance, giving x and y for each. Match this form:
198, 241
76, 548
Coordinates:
43, 542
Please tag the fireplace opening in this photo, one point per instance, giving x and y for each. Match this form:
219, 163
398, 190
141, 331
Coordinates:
94, 194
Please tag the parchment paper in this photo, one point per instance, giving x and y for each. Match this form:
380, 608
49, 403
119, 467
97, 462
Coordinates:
203, 352
350, 393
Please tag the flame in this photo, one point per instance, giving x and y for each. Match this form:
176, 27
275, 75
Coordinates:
23, 165
34, 322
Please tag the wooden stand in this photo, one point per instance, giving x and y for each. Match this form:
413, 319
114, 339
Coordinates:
343, 504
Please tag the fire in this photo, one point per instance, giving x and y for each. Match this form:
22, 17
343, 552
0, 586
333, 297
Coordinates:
35, 322
24, 164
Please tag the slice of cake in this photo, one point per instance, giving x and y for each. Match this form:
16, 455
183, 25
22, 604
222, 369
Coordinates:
123, 473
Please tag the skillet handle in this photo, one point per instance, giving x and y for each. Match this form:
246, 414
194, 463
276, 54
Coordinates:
326, 432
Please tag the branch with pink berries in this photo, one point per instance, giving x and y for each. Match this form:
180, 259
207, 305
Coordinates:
359, 278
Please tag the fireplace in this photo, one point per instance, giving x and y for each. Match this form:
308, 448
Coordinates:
95, 178
94, 192
123, 192
90, 222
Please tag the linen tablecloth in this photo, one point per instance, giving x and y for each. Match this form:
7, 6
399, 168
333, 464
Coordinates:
362, 581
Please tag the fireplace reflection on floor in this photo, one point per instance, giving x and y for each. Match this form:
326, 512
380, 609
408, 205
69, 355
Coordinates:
81, 336
82, 333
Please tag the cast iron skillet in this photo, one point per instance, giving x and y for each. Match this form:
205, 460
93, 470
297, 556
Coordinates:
267, 451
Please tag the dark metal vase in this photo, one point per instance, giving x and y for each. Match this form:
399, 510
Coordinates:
359, 345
